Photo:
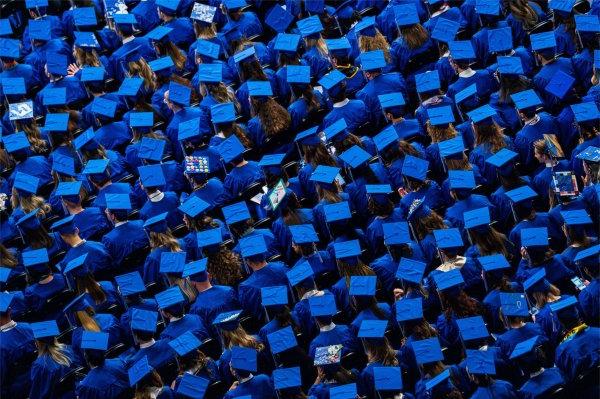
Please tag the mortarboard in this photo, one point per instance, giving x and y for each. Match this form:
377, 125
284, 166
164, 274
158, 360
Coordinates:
45, 329
500, 39
289, 377
57, 64
5, 27
566, 306
169, 297
543, 41
287, 42
322, 305
4, 274
560, 84
65, 225
168, 6
253, 245
299, 74
188, 129
159, 33
303, 234
445, 30
372, 60
327, 355
259, 88
338, 47
35, 257
272, 162
365, 27
131, 87
237, 212
501, 158
210, 237
185, 343
55, 96
29, 4
299, 273
576, 217
406, 14
310, 26
203, 13
130, 283
151, 149
337, 211
461, 179
274, 296
39, 29
514, 304
14, 86
179, 94
324, 174
590, 154
15, 142
172, 262
196, 271
415, 168
387, 378
448, 238
525, 347
56, 122
408, 309
587, 23
451, 147
363, 285
337, 130
487, 7
94, 340
480, 362
23, 110
282, 340
410, 270
385, 138
85, 17
160, 66
427, 350
461, 50
26, 184
308, 137
427, 81
483, 114
346, 249
521, 194
347, 391
526, 99
29, 222
477, 217
372, 329
5, 300
104, 107
92, 74
378, 192
469, 91
86, 40
207, 48
396, 233
534, 237
489, 263
234, 4
332, 79
440, 115
139, 369
80, 303
391, 100
231, 148
69, 190
192, 386
434, 382
451, 279
210, 73
587, 111
157, 224
143, 320
564, 6
279, 18
240, 56
472, 328
85, 140
228, 321
536, 282
152, 176
510, 65
10, 48
223, 113
588, 254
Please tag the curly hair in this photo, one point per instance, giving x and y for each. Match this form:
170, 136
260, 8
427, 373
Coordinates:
441, 133
239, 337
225, 267
29, 203
490, 135
32, 131
274, 118
377, 42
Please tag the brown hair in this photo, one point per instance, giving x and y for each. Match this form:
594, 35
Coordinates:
414, 35
330, 196
169, 49
86, 319
87, 284
489, 134
142, 69
490, 242
274, 118
440, 133
225, 267
427, 224
318, 43
523, 12
460, 305
223, 95
239, 337
318, 155
377, 42
205, 31
380, 352
29, 202
542, 298
348, 270
32, 131
85, 58
165, 239
143, 389
7, 258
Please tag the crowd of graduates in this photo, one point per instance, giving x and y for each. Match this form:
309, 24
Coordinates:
300, 199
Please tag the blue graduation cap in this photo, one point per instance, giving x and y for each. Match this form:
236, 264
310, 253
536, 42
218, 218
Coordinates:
188, 129
65, 225
29, 221
521, 194
56, 122
237, 212
259, 88
526, 99
408, 309
92, 74
86, 40
365, 27
29, 4
346, 249
157, 224
130, 88
534, 237
287, 42
272, 162
35, 257
406, 14
387, 378
282, 340
461, 50
396, 233
560, 84
472, 328
151, 176
179, 94
338, 47
139, 369
143, 320
510, 65
587, 23
363, 285
303, 234
308, 137
231, 148
500, 39
487, 7
437, 381
185, 343
208, 48
172, 262
279, 18
446, 281
253, 245
452, 147
299, 74
55, 96
169, 298
63, 164
588, 255
461, 179
543, 41
391, 100
274, 296
536, 282
39, 29
192, 386
244, 358
211, 73
469, 91
337, 130
168, 6
347, 391
372, 60
10, 48
563, 6
310, 26
490, 263
440, 115
584, 112
385, 138
576, 217
130, 283
14, 86
590, 154
69, 191
355, 156
514, 304
4, 274
5, 301
448, 238
324, 174
299, 273
159, 33
80, 303
104, 107
45, 329
94, 340
332, 79
26, 184
284, 378
223, 113
565, 307
15, 142
234, 4
372, 329
57, 64
427, 350
410, 270
210, 237
477, 217
246, 53
502, 158
337, 211
480, 362
525, 347
151, 149
196, 271
5, 27
85, 17
322, 305
483, 115
445, 30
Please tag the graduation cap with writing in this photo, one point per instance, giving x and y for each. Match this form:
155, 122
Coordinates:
388, 378
192, 386
348, 251
94, 340
385, 138
259, 88
472, 328
452, 148
85, 17
179, 94
10, 48
282, 340
69, 190
235, 213
483, 115
29, 221
16, 142
57, 64
172, 262
503, 161
372, 329
526, 100
245, 54
308, 137
337, 131
328, 355
298, 74
310, 27
449, 281
14, 86
151, 149
56, 122
139, 369
409, 309
337, 211
286, 378
461, 50
534, 237
427, 350
278, 18
514, 304
448, 239
231, 149
185, 343
25, 184
39, 29
210, 73
63, 164
203, 13
223, 112
331, 80
157, 224
587, 23
440, 116
303, 234
492, 263
585, 112
577, 217
445, 30
500, 40
287, 42
253, 247
543, 43
363, 285
196, 271
55, 96
152, 176
322, 305
410, 271
207, 48
415, 168
104, 107
477, 218
45, 329
5, 27
480, 362
510, 65
36, 259
396, 233
274, 296
170, 299
143, 320
560, 84
300, 273
461, 179
86, 40
325, 175
372, 60
209, 238
228, 321
130, 283
162, 67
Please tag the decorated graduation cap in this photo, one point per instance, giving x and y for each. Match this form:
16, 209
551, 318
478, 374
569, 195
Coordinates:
445, 30
472, 328
86, 40
282, 340
23, 110
409, 309
143, 320
26, 185
440, 116
396, 233
278, 18
287, 378
192, 386
45, 330
151, 176
372, 60
228, 321
410, 271
157, 224
139, 369
418, 209
590, 154
328, 355
534, 237
427, 351
480, 362
130, 284
322, 305
301, 275
231, 149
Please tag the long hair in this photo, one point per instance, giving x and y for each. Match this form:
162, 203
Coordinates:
205, 31
86, 320
251, 70
377, 42
380, 352
29, 202
274, 118
142, 69
490, 242
318, 155
144, 389
165, 239
87, 284
55, 350
461, 163
319, 44
510, 84
490, 135
225, 267
8, 259
239, 337
414, 35
329, 196
233, 128
523, 12
85, 58
192, 362
348, 270
222, 94
39, 238
32, 131
441, 133
542, 298
169, 49
460, 305
290, 213
427, 224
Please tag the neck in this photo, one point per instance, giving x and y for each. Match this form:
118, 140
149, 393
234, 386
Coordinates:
257, 265
203, 286
72, 240
74, 209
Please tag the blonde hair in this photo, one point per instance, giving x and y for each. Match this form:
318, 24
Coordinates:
86, 319
377, 42
165, 239
205, 31
542, 298
55, 350
186, 287
32, 131
239, 337
440, 133
86, 58
319, 44
29, 202
142, 69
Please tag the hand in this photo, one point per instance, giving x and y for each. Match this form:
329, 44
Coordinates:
398, 293
72, 69
234, 385
402, 192
524, 253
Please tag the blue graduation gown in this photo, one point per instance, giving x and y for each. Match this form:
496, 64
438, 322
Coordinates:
259, 386
366, 381
212, 192
367, 314
182, 34
319, 63
525, 138
189, 322
37, 294
210, 303
108, 324
98, 257
498, 390
556, 271
22, 71
74, 89
550, 323
518, 30
159, 354
375, 231
353, 111
172, 130
282, 234
485, 82
45, 375
57, 30
339, 334
589, 301
108, 381
168, 203
146, 15
248, 25
454, 214
543, 77
542, 384
508, 340
38, 55
381, 84
92, 223
319, 216
579, 354
541, 219
124, 239
430, 193
16, 344
272, 274
239, 178
119, 188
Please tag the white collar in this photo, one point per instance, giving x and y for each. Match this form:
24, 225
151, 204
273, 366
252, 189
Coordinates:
172, 319
79, 243
157, 197
310, 294
327, 328
148, 344
128, 39
467, 73
120, 223
535, 374
341, 103
8, 326
246, 379
533, 120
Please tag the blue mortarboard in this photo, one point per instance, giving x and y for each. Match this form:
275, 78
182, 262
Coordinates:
253, 245
185, 343
259, 88
346, 249
480, 362
445, 30
308, 137
272, 162
372, 60
104, 107
378, 192
525, 347
408, 309
84, 16
472, 328
223, 113
310, 26
210, 237
5, 27
439, 379
469, 91
427, 350
565, 6
324, 174
169, 297
332, 79
299, 273
560, 84
298, 74
92, 74
323, 305
526, 99
57, 64
188, 129
440, 115
287, 42
406, 14
487, 7
303, 234
282, 340
274, 296
69, 190
168, 6
337, 211
410, 270
10, 48
158, 33
396, 233
231, 148
22, 110
244, 358
78, 304
500, 39
207, 48
143, 320
55, 96
5, 300
461, 179
521, 194
29, 221
588, 254
534, 237
289, 377
86, 40
15, 142
337, 130
29, 4
39, 29
483, 114
13, 86
246, 53
385, 138
151, 176
237, 212
172, 262
139, 369
151, 149
576, 217
130, 283
477, 217
448, 238
536, 282
493, 262
543, 41
363, 285
234, 4
510, 65
196, 271
347, 391
192, 386
587, 23
45, 329
339, 47
448, 280
161, 66
26, 184
391, 100
65, 225
211, 73
584, 112
564, 305
279, 18
365, 27
461, 50
94, 340
372, 329
4, 274
451, 147
131, 87
387, 378
56, 122
35, 257
179, 94
355, 157
501, 158
157, 224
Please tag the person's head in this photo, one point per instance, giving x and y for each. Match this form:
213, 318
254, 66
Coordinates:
380, 351
225, 267
541, 151
239, 337
414, 35
274, 118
